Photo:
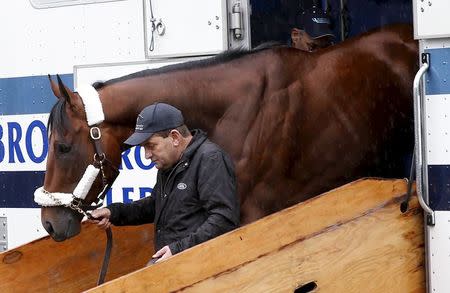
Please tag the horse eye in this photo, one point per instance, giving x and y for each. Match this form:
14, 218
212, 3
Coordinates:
63, 148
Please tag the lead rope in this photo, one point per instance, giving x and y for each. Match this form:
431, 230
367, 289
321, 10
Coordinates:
109, 242
107, 256
100, 158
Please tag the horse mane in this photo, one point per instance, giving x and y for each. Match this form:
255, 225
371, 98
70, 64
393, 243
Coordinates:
270, 45
217, 59
58, 117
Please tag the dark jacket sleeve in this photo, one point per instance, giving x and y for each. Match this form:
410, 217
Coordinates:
135, 213
217, 192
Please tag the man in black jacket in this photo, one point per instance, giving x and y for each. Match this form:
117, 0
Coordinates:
194, 198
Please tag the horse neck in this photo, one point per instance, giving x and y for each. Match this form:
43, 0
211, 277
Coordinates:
202, 94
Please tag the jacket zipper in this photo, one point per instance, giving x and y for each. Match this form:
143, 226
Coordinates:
168, 178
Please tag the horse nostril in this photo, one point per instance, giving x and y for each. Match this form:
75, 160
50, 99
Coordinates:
48, 227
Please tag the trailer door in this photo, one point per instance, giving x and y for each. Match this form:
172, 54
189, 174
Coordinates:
432, 125
195, 27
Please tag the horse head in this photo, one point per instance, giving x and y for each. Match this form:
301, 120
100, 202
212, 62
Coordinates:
82, 160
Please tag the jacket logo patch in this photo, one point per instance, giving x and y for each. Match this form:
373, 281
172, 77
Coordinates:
181, 186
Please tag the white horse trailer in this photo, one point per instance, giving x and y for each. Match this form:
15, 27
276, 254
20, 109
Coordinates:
432, 124
85, 41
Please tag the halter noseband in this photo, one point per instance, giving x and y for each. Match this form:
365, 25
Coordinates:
95, 116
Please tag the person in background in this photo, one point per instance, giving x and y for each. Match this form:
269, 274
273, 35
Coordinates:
313, 29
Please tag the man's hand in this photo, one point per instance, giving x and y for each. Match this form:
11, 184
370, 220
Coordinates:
102, 215
162, 254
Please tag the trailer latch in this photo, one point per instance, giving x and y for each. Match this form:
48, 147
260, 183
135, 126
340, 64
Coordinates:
3, 234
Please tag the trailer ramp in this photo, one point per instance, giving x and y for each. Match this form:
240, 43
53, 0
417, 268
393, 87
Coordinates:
351, 239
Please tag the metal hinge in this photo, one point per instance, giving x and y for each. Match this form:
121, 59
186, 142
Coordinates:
3, 234
236, 21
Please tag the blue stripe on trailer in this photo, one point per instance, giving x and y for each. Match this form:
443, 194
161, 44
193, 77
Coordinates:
17, 188
439, 187
28, 94
437, 77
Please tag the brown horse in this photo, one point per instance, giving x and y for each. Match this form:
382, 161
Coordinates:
296, 124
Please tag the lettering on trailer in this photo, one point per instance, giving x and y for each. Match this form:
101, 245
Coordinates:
25, 103
23, 142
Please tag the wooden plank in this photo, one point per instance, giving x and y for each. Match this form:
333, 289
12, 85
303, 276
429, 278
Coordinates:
378, 252
73, 265
355, 233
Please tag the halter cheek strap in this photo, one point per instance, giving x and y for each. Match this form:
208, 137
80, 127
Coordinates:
95, 115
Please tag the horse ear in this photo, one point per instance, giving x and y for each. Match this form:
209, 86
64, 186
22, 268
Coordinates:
62, 87
65, 91
55, 88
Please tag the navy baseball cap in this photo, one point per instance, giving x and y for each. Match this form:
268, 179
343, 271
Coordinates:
155, 118
316, 23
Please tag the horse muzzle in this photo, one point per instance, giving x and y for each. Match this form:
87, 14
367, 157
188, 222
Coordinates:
61, 223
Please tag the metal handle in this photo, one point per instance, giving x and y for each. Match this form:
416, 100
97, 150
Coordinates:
418, 128
160, 27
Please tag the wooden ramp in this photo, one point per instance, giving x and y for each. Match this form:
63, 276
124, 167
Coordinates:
73, 265
352, 239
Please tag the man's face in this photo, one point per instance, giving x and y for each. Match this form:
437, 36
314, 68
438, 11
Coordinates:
162, 151
301, 40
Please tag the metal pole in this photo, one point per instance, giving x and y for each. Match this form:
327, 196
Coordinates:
341, 19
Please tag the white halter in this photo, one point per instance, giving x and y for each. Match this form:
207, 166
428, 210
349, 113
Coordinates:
94, 115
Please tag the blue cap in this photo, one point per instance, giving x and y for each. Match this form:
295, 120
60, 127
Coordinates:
316, 23
155, 118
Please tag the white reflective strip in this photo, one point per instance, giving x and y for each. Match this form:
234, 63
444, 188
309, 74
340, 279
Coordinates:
86, 182
44, 199
92, 104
